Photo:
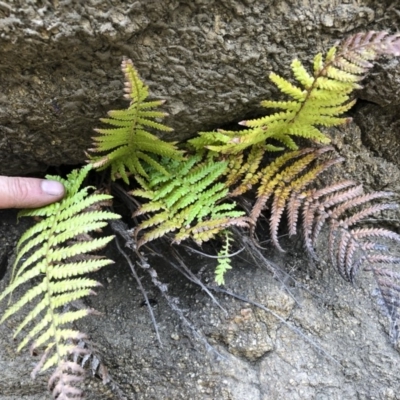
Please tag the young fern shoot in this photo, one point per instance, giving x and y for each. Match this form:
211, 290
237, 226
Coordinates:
224, 260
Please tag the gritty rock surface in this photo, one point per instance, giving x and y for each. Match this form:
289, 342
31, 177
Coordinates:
333, 345
209, 59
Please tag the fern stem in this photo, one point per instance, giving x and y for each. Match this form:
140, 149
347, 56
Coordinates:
215, 257
138, 281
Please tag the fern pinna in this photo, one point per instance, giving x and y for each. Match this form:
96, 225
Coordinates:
129, 144
55, 254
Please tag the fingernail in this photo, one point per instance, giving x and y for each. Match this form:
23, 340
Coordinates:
53, 188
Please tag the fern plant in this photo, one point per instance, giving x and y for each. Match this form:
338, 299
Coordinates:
55, 255
190, 190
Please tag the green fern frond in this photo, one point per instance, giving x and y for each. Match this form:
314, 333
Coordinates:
128, 147
318, 100
224, 260
48, 252
193, 195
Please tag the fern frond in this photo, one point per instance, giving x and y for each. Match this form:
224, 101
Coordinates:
319, 100
48, 251
276, 177
285, 181
349, 246
128, 147
224, 260
191, 196
342, 207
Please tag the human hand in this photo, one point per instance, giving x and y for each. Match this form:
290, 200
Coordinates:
18, 192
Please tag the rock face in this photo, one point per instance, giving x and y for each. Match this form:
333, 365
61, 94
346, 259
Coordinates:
210, 59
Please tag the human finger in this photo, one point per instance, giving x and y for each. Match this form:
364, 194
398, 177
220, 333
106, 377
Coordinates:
16, 192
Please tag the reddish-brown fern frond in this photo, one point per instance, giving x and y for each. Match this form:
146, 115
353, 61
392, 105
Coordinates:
314, 211
67, 374
284, 180
388, 293
310, 200
349, 246
356, 52
341, 206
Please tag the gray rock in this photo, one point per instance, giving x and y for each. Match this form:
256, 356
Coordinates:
210, 59
334, 344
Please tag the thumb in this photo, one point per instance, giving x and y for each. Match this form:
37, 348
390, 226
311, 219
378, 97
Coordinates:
18, 192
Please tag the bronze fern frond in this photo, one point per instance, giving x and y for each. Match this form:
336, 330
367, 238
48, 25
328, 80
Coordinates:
343, 208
